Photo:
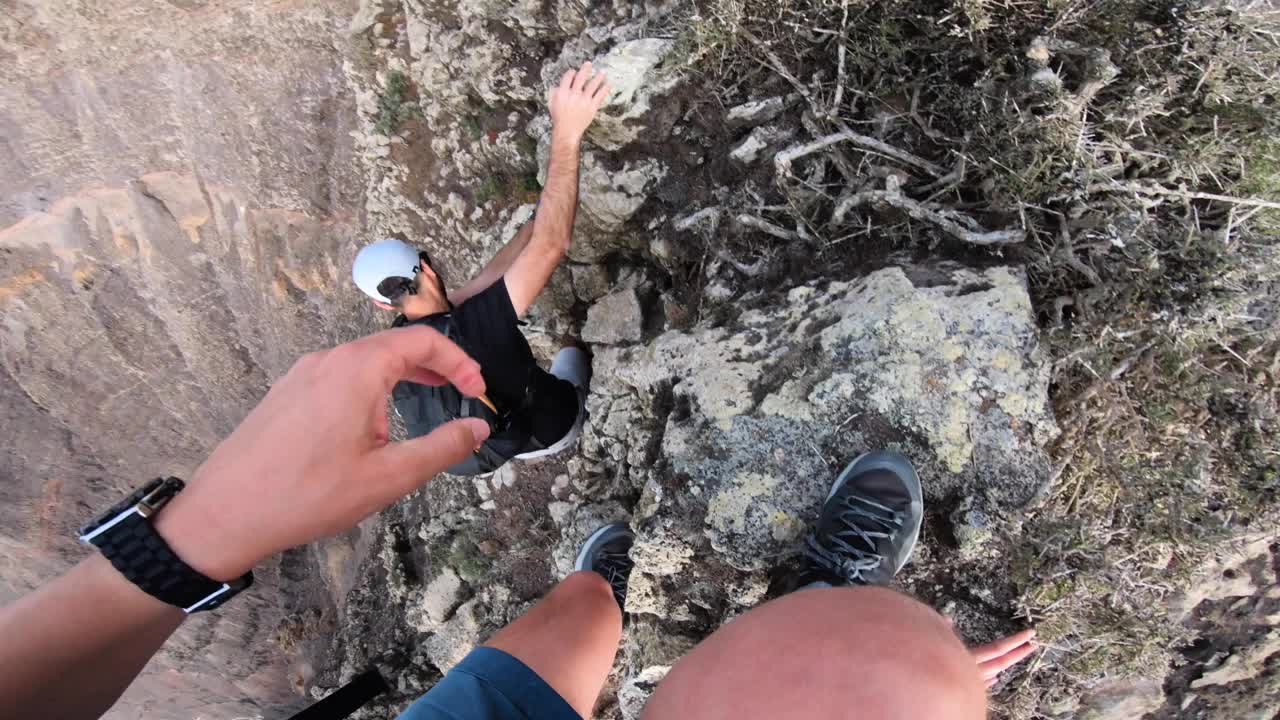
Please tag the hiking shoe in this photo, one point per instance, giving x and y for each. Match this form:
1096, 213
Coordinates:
869, 524
607, 553
573, 365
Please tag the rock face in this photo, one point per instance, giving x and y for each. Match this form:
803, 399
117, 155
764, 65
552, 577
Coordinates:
753, 419
183, 185
178, 208
616, 318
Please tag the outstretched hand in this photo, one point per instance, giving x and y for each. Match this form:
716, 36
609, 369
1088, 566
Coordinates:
313, 458
575, 101
1000, 655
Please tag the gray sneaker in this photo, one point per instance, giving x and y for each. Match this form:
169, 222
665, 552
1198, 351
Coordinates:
869, 524
607, 553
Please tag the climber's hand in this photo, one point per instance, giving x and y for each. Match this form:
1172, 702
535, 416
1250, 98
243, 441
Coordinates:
575, 102
312, 459
1000, 655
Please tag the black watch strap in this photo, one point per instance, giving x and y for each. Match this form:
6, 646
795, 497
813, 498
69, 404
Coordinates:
126, 537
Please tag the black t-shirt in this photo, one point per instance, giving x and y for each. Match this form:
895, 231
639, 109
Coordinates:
489, 332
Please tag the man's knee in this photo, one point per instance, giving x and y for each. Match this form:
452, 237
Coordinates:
589, 597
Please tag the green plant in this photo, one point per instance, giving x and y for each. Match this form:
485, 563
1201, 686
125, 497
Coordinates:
394, 107
521, 188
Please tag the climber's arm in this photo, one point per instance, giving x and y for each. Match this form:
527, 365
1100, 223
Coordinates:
303, 465
496, 268
573, 104
73, 646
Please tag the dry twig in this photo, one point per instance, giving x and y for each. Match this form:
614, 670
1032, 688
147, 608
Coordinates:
783, 160
767, 227
1191, 195
840, 52
893, 196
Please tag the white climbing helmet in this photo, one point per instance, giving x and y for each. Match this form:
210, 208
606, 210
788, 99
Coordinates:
380, 260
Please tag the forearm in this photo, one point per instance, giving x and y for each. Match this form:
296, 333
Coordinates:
72, 647
552, 226
558, 204
497, 267
508, 254
573, 104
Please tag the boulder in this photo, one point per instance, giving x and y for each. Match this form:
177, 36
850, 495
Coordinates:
615, 319
637, 80
733, 433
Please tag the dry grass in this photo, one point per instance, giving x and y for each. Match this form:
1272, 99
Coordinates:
1132, 143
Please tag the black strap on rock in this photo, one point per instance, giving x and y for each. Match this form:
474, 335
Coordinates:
347, 699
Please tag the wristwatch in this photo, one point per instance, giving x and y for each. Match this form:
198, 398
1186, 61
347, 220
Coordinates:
125, 536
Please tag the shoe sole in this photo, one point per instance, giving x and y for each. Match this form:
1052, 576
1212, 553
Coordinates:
584, 552
565, 371
898, 465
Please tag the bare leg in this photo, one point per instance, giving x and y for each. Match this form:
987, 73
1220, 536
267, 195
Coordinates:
569, 638
863, 652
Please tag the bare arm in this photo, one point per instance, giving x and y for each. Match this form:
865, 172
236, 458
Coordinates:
73, 646
573, 103
496, 268
303, 465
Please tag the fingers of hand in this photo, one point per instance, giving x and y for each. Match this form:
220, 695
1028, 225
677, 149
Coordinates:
993, 667
381, 427
995, 649
566, 80
414, 352
601, 96
426, 377
400, 468
593, 86
581, 77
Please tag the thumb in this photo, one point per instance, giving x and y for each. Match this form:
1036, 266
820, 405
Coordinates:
406, 466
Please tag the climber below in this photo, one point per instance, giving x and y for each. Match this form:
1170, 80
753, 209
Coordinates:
531, 413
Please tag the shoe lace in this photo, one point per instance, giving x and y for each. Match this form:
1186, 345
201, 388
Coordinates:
861, 520
615, 567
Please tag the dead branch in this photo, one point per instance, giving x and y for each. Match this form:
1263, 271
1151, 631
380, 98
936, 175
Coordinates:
764, 226
918, 211
783, 160
751, 270
841, 52
1069, 252
775, 63
1191, 195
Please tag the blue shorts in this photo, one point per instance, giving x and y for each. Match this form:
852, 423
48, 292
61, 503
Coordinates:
489, 684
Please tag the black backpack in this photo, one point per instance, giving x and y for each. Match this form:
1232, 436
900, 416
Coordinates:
425, 408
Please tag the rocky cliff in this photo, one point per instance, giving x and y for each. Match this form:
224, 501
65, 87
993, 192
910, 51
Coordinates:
180, 204
182, 189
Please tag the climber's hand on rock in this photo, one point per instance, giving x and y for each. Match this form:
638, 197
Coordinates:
1000, 655
575, 102
313, 458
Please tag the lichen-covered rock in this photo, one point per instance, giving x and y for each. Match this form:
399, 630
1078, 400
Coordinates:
455, 638
440, 598
636, 691
756, 416
632, 70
